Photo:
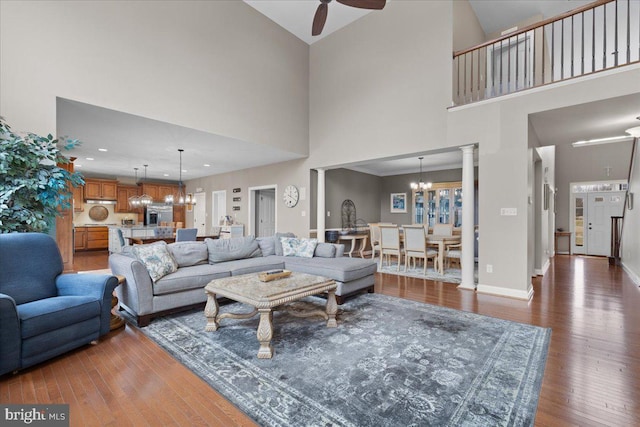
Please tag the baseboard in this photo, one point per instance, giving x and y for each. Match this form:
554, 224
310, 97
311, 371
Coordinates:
542, 271
632, 275
505, 292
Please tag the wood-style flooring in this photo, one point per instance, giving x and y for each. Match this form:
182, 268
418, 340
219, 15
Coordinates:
592, 375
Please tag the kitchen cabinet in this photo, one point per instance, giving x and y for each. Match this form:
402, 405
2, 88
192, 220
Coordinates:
97, 238
78, 199
159, 192
150, 190
179, 214
122, 201
91, 238
100, 189
80, 239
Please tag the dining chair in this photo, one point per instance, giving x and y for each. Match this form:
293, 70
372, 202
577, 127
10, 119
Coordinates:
374, 231
186, 234
453, 253
415, 246
390, 244
162, 232
443, 229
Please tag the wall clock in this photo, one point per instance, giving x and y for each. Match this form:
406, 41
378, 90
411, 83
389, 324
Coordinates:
290, 196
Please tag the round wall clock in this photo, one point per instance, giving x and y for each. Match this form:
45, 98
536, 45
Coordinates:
290, 196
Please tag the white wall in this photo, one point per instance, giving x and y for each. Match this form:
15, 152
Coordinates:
630, 240
217, 66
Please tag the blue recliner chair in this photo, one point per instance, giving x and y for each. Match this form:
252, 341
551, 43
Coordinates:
44, 313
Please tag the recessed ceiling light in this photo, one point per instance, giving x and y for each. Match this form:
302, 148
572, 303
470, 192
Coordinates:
90, 158
635, 132
599, 141
206, 165
184, 171
166, 174
104, 150
77, 166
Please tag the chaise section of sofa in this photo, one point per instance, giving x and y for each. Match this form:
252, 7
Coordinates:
200, 262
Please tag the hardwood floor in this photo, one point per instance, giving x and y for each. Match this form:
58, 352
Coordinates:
592, 375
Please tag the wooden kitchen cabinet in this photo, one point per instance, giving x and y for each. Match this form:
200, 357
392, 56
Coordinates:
78, 199
80, 239
100, 189
122, 201
179, 214
97, 238
150, 190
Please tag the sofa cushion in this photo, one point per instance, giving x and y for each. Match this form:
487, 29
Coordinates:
340, 269
267, 245
325, 250
221, 250
279, 244
292, 246
49, 314
156, 258
254, 265
193, 277
187, 254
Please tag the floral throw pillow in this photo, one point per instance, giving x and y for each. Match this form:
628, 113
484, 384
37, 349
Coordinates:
292, 246
156, 258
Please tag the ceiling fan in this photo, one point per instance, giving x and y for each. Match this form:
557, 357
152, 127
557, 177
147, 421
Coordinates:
321, 13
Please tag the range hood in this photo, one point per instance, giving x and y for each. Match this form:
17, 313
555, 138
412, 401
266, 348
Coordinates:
100, 202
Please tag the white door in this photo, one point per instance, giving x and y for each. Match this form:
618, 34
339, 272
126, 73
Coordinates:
265, 212
600, 208
200, 213
218, 206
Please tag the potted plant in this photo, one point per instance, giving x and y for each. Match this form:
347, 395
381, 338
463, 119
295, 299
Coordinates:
33, 187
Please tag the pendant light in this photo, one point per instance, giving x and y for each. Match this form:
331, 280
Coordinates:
180, 196
145, 199
134, 201
420, 185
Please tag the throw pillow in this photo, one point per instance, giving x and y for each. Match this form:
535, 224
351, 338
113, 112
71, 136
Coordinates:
221, 250
325, 250
279, 243
298, 247
156, 258
267, 245
187, 254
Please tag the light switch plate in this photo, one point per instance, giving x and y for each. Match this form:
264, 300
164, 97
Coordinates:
508, 211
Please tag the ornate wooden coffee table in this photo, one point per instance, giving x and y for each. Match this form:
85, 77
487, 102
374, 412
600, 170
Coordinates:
264, 297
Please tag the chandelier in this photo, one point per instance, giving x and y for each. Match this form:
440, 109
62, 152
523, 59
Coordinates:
181, 199
144, 199
420, 185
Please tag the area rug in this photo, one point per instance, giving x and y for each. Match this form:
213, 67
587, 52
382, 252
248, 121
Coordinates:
451, 275
390, 362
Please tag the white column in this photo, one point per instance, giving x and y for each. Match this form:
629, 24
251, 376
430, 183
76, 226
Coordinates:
320, 221
468, 232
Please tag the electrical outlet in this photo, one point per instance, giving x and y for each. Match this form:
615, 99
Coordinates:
489, 268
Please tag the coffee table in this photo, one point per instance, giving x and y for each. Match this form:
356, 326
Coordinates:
264, 297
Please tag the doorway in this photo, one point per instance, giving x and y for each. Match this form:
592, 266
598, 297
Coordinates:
592, 206
262, 211
200, 213
218, 206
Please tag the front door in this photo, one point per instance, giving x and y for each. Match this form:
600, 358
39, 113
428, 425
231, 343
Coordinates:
600, 208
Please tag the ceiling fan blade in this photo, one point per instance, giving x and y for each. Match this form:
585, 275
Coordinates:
364, 4
319, 19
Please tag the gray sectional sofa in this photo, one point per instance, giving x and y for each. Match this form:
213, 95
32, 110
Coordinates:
200, 262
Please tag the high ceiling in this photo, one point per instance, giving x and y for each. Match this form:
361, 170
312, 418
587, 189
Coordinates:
126, 137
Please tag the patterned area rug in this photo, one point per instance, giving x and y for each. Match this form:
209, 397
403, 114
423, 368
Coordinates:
390, 362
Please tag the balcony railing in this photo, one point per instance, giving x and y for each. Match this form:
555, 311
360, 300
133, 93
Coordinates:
597, 37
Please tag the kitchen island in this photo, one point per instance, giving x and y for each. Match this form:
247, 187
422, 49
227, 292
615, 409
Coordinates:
128, 232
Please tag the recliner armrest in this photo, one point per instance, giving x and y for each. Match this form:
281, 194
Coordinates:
99, 286
10, 340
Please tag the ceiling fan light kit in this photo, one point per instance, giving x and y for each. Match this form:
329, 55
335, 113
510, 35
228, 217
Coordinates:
323, 9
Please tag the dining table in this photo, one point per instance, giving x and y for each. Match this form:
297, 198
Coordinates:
441, 241
145, 240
